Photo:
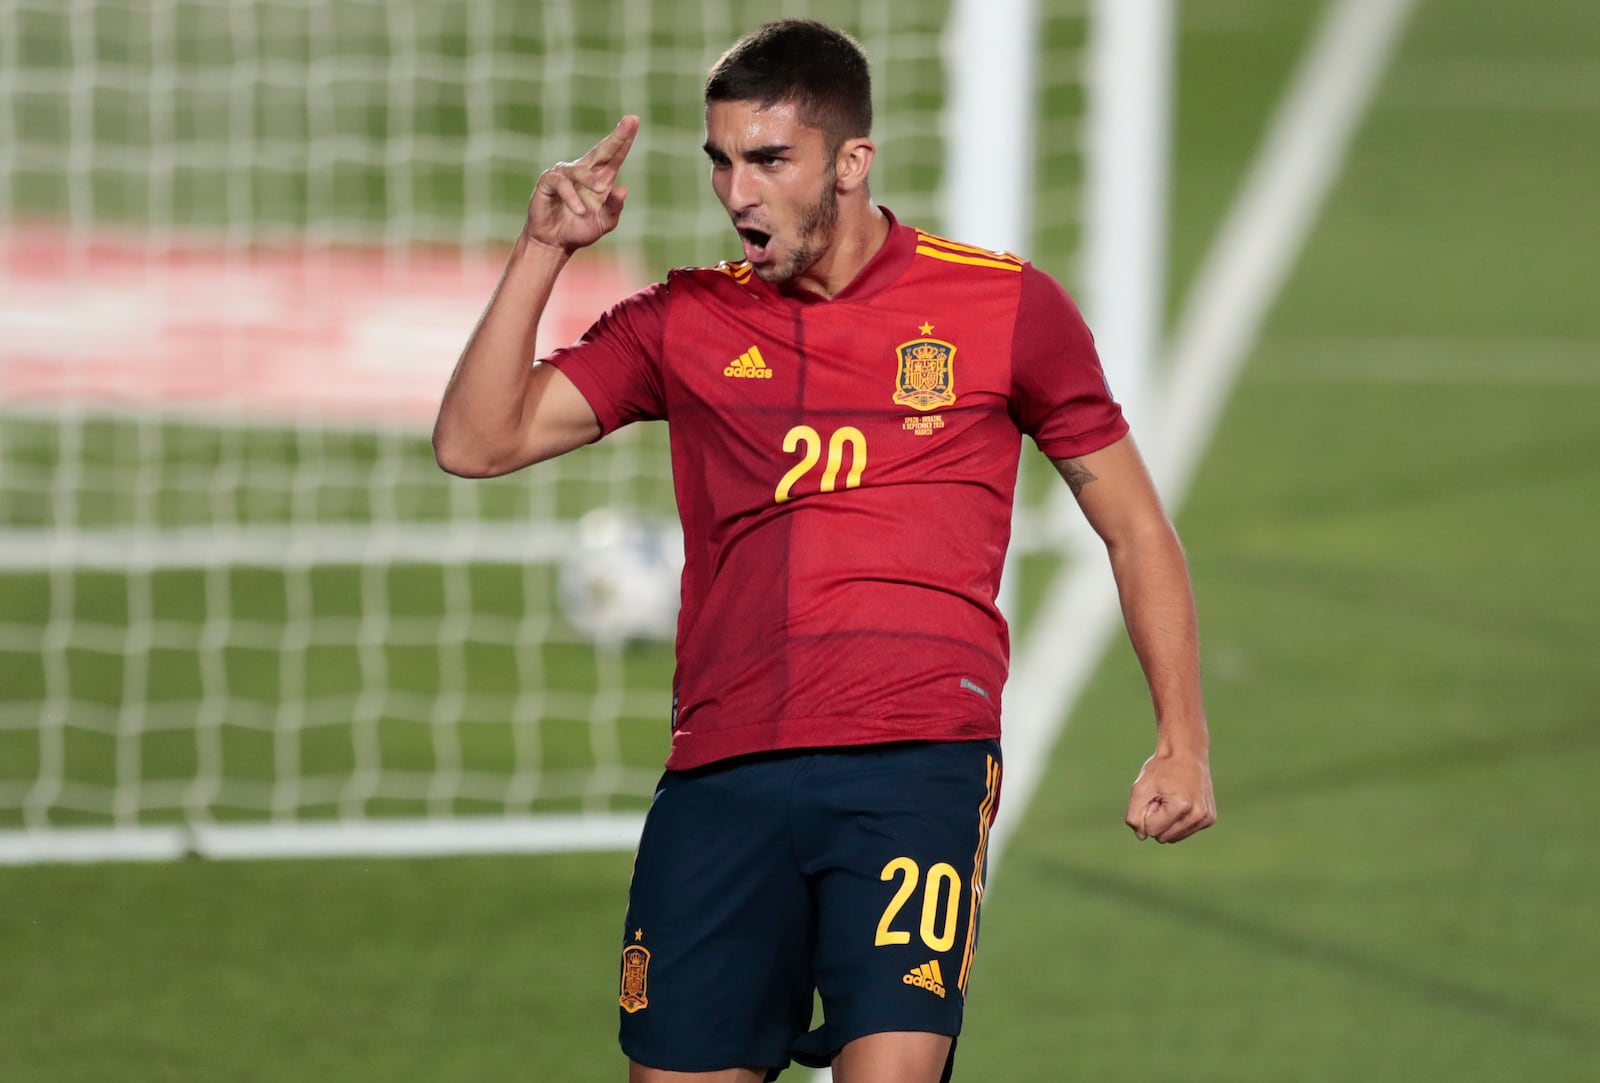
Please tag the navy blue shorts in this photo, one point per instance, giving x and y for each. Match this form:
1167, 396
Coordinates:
854, 873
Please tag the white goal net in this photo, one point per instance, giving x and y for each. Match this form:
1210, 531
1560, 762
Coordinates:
241, 244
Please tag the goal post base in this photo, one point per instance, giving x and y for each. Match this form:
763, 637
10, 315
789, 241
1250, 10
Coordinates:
545, 834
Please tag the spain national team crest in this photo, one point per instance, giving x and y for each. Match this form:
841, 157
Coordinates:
927, 378
635, 978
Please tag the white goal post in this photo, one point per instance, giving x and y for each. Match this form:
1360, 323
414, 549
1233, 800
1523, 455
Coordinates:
241, 612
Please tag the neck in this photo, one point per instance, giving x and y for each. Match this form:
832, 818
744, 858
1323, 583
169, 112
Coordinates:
863, 229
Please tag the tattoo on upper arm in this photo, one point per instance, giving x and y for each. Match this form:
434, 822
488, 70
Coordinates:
1076, 474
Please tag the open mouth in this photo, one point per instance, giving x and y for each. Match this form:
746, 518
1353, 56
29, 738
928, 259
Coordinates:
755, 244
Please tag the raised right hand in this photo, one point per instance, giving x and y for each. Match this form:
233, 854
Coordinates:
576, 203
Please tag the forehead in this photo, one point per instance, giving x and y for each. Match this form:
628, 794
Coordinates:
732, 125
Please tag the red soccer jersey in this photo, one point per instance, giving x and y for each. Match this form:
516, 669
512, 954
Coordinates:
844, 472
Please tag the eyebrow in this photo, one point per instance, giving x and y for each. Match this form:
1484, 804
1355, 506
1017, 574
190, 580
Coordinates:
753, 154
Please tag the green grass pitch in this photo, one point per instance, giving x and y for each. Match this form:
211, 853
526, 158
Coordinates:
1393, 542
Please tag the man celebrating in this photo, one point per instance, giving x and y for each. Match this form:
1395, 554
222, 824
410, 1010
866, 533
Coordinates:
845, 405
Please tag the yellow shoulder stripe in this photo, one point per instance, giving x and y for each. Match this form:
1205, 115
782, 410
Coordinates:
956, 246
975, 261
739, 272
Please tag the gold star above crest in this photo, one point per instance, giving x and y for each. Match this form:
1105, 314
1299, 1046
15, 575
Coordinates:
926, 328
638, 934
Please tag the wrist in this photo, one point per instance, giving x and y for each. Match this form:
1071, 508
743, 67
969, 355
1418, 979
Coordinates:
528, 247
1178, 737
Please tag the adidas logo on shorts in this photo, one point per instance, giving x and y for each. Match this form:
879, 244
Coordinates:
927, 976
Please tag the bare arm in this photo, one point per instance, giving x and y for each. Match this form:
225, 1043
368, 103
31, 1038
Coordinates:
500, 412
1172, 797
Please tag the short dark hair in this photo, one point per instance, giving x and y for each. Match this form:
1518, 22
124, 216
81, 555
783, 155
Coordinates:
821, 70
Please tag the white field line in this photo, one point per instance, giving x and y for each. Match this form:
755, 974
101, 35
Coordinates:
1431, 361
1476, 83
389, 838
1299, 161
132, 550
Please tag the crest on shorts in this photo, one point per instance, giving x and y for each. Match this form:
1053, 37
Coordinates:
926, 380
635, 978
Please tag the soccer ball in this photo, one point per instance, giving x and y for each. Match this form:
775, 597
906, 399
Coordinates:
621, 580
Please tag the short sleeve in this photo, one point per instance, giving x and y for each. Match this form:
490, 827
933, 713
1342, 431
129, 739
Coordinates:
616, 364
1059, 394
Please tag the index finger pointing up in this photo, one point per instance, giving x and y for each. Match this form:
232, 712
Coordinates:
611, 151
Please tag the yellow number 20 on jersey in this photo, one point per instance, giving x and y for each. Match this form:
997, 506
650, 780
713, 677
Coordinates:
808, 441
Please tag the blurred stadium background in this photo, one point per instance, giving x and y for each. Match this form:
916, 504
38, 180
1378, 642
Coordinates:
1391, 535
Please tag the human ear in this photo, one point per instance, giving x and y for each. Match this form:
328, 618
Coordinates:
852, 162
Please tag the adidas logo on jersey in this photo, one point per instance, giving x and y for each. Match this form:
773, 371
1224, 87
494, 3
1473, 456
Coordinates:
749, 365
927, 976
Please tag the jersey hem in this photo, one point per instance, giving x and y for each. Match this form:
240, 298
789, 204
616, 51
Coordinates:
824, 731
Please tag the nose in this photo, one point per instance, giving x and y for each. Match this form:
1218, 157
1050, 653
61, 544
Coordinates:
742, 195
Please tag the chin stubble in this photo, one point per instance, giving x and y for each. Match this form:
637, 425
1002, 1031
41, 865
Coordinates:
816, 229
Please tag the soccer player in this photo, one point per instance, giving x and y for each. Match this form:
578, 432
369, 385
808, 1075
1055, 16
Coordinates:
845, 406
